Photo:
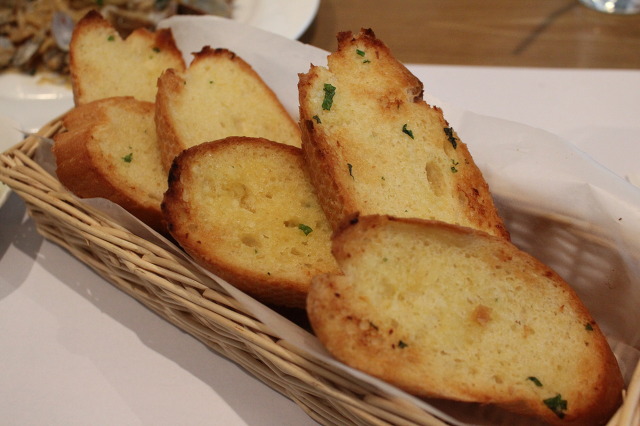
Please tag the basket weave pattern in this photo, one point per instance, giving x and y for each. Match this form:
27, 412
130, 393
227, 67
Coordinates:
180, 293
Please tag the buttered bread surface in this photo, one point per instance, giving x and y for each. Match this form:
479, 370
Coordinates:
219, 95
103, 64
373, 146
246, 209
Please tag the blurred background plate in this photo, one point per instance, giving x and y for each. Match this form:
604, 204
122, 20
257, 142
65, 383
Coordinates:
289, 18
32, 101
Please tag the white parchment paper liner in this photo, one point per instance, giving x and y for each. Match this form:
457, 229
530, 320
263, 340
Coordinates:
559, 205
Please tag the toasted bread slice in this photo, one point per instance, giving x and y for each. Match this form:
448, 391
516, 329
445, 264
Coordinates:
219, 95
373, 146
104, 65
450, 312
109, 150
245, 209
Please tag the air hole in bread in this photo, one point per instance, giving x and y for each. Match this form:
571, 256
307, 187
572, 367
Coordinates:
237, 189
448, 148
464, 198
482, 315
239, 124
250, 241
247, 205
435, 178
241, 193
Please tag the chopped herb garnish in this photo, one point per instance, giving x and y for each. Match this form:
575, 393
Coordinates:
315, 117
402, 344
557, 405
329, 92
127, 158
360, 52
111, 38
210, 81
304, 228
407, 131
100, 2
366, 61
535, 381
588, 327
449, 132
156, 49
372, 325
350, 167
454, 169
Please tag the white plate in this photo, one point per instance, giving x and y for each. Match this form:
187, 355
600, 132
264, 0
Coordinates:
289, 18
10, 135
34, 101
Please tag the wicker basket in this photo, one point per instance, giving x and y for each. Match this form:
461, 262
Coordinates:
176, 290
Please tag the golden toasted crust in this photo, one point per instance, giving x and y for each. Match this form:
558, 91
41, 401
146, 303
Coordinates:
103, 65
170, 145
219, 95
380, 149
109, 150
245, 209
450, 312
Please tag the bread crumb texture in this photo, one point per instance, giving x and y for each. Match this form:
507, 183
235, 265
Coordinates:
444, 311
220, 95
109, 149
367, 129
102, 64
128, 143
246, 208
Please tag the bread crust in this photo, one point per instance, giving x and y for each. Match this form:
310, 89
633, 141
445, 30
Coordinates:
381, 96
446, 351
86, 169
170, 146
238, 227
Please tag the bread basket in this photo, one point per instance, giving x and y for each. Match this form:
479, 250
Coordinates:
182, 294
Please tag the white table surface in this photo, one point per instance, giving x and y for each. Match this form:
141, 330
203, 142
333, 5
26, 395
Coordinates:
76, 351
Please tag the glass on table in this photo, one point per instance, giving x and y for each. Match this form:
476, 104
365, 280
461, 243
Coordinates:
614, 6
